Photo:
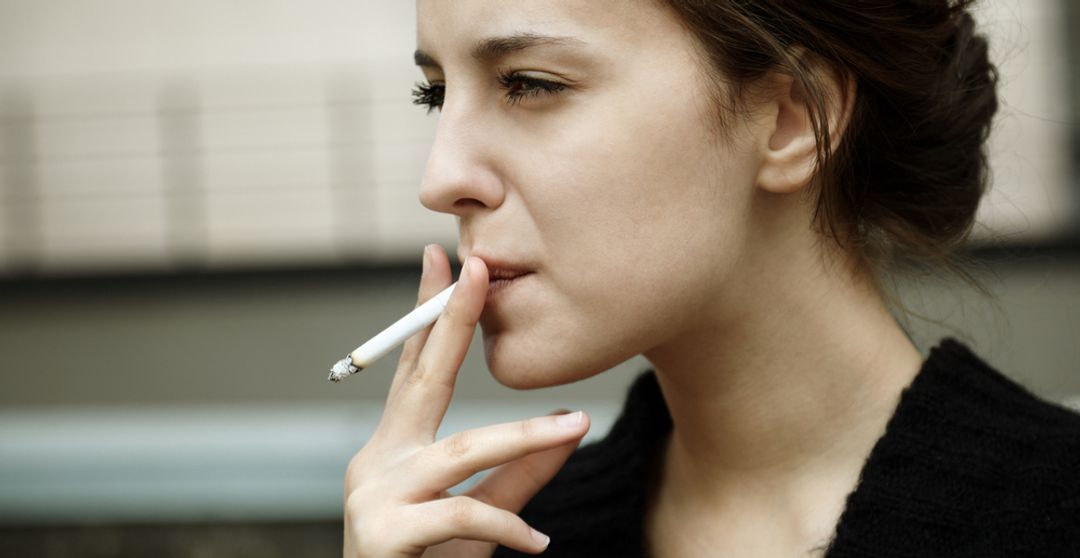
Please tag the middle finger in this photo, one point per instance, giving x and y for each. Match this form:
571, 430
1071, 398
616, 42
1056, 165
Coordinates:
435, 277
457, 457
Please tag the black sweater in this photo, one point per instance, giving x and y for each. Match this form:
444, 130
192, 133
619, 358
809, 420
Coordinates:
971, 464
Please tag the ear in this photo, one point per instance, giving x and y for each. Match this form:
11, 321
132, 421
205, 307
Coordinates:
790, 154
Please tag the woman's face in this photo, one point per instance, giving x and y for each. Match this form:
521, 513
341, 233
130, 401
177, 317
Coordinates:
581, 150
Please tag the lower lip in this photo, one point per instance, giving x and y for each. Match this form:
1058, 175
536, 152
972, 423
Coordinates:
500, 286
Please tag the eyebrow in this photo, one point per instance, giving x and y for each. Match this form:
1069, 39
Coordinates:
495, 48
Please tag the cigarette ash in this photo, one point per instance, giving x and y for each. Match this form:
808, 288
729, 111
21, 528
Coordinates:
342, 368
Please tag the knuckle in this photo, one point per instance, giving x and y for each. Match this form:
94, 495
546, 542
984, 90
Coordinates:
457, 446
354, 501
529, 429
356, 488
460, 511
424, 376
514, 526
355, 470
355, 515
372, 466
518, 525
418, 375
374, 524
371, 534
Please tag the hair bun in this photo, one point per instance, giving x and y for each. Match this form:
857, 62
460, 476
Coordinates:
949, 162
970, 80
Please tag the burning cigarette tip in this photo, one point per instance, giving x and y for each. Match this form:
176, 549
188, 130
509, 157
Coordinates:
343, 368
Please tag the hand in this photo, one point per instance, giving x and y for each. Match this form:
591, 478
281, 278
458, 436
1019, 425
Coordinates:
397, 503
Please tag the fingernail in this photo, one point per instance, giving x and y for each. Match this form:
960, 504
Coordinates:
571, 420
467, 269
427, 260
540, 538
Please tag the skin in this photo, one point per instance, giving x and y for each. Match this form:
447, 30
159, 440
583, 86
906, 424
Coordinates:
649, 234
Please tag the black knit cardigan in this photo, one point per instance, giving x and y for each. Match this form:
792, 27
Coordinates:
971, 464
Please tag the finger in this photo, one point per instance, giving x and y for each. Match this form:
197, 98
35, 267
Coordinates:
461, 517
435, 277
511, 485
459, 456
420, 404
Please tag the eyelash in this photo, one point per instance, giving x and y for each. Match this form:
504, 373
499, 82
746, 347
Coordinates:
431, 94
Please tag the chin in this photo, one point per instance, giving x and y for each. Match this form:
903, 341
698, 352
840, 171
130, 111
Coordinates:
522, 366
511, 370
514, 379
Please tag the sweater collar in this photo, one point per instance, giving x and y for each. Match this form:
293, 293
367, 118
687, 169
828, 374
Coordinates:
932, 449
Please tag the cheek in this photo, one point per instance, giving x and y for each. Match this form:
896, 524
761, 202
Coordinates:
630, 247
638, 214
639, 203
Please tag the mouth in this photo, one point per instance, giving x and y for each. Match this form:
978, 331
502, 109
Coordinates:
500, 279
503, 274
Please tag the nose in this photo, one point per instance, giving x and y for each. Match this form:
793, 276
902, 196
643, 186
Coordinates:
459, 177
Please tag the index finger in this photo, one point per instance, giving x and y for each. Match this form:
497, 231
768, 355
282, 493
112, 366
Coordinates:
419, 405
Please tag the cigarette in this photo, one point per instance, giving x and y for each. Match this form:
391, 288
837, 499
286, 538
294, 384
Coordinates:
389, 338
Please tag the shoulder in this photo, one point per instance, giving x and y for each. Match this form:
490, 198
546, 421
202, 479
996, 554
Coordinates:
1037, 447
972, 391
976, 452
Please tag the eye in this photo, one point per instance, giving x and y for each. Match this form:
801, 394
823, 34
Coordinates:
518, 87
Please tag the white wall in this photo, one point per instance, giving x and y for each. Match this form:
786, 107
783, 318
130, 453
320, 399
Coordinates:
211, 133
250, 132
1031, 195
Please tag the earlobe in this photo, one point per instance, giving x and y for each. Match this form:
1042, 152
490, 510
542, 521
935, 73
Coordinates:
790, 169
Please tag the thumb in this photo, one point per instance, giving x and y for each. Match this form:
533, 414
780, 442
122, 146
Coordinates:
511, 485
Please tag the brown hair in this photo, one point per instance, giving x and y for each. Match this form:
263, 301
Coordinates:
904, 182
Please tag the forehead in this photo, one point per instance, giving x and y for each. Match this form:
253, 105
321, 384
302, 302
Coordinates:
455, 25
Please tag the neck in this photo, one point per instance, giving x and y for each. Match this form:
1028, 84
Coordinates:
781, 405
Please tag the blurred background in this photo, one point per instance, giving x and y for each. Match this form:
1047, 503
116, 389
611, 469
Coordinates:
204, 204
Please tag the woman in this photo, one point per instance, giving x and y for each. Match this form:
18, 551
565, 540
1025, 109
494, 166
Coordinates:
719, 186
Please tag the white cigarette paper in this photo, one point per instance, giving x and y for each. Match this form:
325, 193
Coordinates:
376, 347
